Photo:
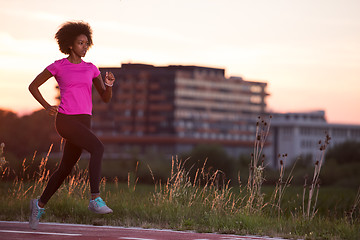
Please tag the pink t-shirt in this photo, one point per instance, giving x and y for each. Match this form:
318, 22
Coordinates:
75, 83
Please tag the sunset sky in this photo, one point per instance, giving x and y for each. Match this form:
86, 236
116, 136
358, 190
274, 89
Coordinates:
308, 51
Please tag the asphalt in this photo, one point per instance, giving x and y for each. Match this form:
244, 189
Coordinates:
55, 231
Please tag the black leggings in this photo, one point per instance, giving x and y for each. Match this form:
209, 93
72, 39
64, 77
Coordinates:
75, 129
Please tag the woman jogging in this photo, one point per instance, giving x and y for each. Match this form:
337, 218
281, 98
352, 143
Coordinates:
73, 116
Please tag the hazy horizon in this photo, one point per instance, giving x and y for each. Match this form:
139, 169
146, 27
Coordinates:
307, 51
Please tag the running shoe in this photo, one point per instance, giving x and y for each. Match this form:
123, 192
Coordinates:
99, 206
35, 213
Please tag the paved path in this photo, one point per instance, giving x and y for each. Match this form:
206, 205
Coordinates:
56, 231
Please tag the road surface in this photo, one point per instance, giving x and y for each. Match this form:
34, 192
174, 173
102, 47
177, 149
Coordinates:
56, 231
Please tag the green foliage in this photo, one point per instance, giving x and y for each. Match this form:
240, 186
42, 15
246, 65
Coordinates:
340, 168
138, 209
346, 175
134, 168
342, 165
347, 152
25, 135
214, 156
183, 204
196, 195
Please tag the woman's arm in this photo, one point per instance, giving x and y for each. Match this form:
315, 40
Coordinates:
105, 90
34, 89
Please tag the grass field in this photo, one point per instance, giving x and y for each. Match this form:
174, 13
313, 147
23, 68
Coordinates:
182, 204
204, 202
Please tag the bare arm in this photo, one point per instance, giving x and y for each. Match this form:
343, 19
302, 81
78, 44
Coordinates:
34, 90
104, 90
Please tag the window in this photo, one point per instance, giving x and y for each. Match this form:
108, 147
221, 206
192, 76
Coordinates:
305, 131
306, 144
355, 133
256, 89
339, 132
140, 113
287, 131
255, 99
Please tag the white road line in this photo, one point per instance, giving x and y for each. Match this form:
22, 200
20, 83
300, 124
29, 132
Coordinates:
43, 233
221, 236
249, 238
133, 238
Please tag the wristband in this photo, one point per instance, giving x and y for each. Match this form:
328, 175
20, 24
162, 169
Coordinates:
109, 85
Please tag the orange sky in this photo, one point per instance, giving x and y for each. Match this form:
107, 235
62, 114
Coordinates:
307, 51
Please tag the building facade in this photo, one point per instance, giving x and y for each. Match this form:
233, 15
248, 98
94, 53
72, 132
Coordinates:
298, 134
171, 109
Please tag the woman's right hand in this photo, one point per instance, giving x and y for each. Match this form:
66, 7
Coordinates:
52, 110
34, 89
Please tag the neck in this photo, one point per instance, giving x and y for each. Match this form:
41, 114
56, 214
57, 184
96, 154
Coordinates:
74, 59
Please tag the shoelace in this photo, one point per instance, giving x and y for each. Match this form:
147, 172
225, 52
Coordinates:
99, 202
39, 212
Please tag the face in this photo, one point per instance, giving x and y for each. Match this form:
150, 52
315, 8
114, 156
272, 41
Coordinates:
80, 46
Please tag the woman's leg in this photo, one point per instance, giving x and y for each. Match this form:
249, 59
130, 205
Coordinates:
76, 131
80, 135
85, 139
70, 157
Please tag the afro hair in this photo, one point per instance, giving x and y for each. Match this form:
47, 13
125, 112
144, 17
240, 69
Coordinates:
69, 31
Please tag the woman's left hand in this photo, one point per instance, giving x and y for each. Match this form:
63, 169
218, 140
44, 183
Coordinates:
109, 79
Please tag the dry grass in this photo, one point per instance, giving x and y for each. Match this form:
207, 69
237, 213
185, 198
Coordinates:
282, 184
205, 188
313, 190
26, 184
255, 199
354, 207
205, 201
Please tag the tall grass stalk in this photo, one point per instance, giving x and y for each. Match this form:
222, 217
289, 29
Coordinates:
24, 184
204, 188
255, 200
204, 201
132, 178
2, 157
354, 206
282, 184
4, 169
315, 184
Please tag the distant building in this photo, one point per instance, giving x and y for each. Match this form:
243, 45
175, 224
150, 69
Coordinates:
298, 134
170, 109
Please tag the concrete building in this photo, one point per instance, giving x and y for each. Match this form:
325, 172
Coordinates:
171, 109
298, 134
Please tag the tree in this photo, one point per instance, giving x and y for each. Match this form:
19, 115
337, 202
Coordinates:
347, 152
342, 165
216, 159
25, 135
